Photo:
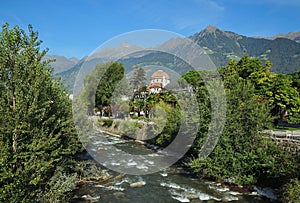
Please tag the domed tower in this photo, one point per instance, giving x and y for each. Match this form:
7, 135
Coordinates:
159, 80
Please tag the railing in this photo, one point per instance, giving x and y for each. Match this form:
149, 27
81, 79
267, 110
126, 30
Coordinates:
284, 134
292, 138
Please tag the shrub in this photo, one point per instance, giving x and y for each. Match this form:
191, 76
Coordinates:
291, 191
105, 122
129, 128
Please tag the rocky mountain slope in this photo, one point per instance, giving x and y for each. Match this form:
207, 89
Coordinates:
61, 63
222, 46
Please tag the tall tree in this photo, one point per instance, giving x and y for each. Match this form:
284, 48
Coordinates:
37, 137
100, 86
242, 154
112, 75
285, 98
296, 80
274, 89
137, 79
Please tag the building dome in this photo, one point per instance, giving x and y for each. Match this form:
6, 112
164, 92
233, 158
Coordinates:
160, 74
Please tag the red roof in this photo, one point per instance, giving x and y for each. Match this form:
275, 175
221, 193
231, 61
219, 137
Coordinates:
155, 85
160, 74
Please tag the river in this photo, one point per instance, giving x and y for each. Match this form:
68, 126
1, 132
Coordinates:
174, 184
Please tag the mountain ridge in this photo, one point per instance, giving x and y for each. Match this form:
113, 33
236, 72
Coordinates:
291, 35
61, 63
220, 45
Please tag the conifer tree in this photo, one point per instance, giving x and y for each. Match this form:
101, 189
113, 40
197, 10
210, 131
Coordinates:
137, 79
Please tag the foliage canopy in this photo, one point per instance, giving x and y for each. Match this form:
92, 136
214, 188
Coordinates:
37, 137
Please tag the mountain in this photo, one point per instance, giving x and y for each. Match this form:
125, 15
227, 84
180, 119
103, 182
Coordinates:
129, 56
221, 45
61, 63
291, 35
88, 63
113, 53
69, 76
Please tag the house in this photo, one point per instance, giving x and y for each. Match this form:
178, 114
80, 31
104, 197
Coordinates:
159, 80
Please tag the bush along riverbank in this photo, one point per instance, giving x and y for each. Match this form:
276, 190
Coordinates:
139, 128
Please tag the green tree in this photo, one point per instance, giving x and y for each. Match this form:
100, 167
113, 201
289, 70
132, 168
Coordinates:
151, 100
247, 65
167, 121
37, 136
274, 89
192, 78
137, 79
242, 154
263, 80
296, 80
137, 105
137, 84
99, 86
285, 99
120, 99
291, 191
110, 75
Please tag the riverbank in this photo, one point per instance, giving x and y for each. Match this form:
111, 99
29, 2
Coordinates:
115, 130
173, 184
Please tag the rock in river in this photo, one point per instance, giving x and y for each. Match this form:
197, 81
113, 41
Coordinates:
137, 184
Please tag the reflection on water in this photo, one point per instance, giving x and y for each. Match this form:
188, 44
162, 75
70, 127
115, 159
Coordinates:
170, 185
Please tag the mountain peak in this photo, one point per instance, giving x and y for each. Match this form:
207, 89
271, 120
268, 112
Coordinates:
125, 45
113, 53
210, 28
216, 32
61, 63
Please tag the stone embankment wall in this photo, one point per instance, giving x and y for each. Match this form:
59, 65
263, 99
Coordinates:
285, 138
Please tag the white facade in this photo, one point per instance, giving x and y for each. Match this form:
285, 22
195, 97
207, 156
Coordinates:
159, 80
163, 81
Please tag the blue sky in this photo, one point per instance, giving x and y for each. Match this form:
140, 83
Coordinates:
77, 27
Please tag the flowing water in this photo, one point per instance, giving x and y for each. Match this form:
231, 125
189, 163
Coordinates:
173, 184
